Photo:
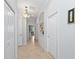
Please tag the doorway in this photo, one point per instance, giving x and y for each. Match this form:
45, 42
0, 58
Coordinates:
31, 32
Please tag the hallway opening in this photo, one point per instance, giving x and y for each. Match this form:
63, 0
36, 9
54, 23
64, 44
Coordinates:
32, 50
31, 31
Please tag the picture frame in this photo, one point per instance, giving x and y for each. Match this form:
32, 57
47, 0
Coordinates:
42, 28
71, 16
41, 22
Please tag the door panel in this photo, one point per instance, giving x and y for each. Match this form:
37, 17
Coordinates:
52, 48
8, 33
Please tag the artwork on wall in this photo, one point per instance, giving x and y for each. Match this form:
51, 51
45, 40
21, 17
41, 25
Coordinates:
41, 23
71, 16
42, 28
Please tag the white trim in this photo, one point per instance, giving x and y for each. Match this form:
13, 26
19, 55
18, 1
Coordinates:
10, 8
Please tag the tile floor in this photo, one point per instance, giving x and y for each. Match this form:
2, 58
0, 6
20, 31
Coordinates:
32, 51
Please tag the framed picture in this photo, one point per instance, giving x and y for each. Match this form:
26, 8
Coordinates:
42, 28
41, 21
71, 16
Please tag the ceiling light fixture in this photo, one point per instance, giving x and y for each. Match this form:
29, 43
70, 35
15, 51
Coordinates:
26, 13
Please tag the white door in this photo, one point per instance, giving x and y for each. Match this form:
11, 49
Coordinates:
51, 33
9, 33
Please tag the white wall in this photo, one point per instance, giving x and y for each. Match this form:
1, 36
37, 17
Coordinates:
66, 32
41, 38
24, 31
19, 26
59, 35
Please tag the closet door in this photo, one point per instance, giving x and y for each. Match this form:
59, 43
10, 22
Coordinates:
52, 33
8, 33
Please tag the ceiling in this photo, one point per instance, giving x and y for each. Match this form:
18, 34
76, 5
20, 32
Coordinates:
35, 6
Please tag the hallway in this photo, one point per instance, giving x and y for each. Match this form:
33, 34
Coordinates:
49, 22
32, 51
